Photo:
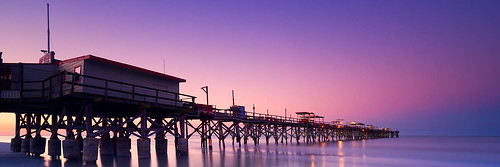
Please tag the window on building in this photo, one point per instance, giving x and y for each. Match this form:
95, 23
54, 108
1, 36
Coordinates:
6, 78
78, 71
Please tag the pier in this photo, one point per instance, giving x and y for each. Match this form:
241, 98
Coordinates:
95, 114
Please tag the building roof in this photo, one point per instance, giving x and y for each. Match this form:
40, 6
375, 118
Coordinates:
92, 57
355, 123
303, 113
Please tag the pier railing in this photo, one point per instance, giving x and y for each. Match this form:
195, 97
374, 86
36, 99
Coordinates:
67, 83
228, 114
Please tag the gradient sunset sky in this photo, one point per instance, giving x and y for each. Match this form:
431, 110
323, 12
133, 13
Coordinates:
423, 67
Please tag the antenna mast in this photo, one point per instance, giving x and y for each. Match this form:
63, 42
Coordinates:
233, 96
48, 30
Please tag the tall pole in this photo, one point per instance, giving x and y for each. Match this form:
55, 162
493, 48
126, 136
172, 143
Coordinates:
233, 96
205, 89
285, 114
48, 30
253, 108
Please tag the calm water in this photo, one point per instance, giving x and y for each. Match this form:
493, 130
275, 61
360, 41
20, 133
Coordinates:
405, 151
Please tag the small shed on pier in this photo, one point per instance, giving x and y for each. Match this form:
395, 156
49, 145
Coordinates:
89, 75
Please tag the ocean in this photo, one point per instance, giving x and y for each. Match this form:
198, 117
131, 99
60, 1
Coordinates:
403, 151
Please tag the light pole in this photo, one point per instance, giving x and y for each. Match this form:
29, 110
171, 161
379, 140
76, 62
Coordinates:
285, 114
205, 89
253, 108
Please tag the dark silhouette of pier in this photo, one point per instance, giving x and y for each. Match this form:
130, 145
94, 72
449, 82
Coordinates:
96, 105
102, 121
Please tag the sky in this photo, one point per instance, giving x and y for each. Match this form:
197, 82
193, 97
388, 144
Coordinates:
423, 67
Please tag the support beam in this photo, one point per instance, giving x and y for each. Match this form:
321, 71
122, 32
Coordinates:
90, 144
37, 144
160, 141
143, 143
25, 144
182, 142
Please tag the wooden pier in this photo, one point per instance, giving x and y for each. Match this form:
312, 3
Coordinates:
96, 114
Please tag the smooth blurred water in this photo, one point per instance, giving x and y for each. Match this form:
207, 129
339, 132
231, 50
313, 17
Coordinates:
404, 151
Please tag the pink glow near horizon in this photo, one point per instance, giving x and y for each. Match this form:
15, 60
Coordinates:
384, 63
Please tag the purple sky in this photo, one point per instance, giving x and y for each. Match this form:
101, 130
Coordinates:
424, 67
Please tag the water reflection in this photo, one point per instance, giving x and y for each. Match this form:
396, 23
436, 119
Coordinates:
383, 152
182, 161
207, 156
341, 162
53, 162
312, 161
340, 145
161, 159
72, 163
90, 164
145, 162
341, 153
222, 154
123, 161
107, 160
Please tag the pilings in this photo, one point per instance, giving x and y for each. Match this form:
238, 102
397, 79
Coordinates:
71, 149
90, 149
54, 144
90, 144
37, 144
123, 146
25, 143
15, 143
144, 148
54, 148
160, 141
25, 146
143, 143
107, 146
182, 146
161, 145
182, 142
110, 134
